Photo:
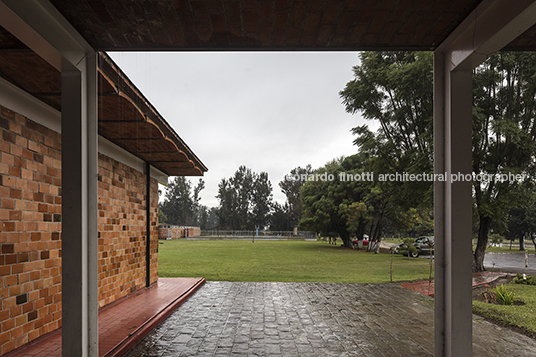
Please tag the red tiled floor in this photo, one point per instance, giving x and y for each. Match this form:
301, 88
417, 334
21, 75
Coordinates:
424, 287
126, 322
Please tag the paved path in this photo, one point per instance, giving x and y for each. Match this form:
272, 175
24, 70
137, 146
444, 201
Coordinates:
510, 262
427, 288
311, 319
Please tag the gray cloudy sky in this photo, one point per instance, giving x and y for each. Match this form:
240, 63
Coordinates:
270, 111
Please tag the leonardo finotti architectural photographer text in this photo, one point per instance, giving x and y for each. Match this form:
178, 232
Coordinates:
405, 176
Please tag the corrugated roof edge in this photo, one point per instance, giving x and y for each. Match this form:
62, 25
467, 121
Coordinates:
156, 116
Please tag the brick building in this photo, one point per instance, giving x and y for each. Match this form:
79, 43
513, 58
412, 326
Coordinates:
132, 133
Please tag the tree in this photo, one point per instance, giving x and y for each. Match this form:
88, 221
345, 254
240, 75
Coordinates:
334, 205
522, 221
227, 203
203, 217
213, 220
161, 216
208, 218
290, 186
178, 204
196, 205
245, 200
242, 183
396, 90
504, 139
181, 203
261, 200
280, 219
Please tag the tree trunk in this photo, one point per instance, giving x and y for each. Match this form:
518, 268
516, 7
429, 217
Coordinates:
360, 229
375, 234
371, 235
346, 241
522, 243
480, 251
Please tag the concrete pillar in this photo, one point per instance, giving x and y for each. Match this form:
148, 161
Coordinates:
79, 207
491, 26
453, 205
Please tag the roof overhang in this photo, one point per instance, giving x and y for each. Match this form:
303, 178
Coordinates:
124, 25
125, 116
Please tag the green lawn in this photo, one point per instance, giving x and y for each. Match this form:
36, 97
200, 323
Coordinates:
523, 316
282, 261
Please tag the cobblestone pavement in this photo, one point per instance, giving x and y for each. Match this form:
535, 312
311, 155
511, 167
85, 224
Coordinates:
311, 319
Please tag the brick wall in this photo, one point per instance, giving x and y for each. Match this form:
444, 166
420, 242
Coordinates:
30, 235
122, 230
176, 232
30, 216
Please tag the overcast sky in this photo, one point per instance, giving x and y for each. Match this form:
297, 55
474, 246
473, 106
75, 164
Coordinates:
270, 111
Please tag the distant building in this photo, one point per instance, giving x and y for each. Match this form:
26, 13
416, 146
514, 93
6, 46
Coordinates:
166, 231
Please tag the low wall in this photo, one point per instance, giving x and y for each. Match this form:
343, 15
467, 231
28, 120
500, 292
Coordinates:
176, 232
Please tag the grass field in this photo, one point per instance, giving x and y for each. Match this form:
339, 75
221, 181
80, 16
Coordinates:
523, 316
282, 261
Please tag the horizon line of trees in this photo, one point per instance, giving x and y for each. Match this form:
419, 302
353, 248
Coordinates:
395, 89
181, 205
245, 202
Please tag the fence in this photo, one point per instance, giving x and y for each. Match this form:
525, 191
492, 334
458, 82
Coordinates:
260, 235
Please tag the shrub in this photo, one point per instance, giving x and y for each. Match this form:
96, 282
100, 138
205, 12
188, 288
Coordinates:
525, 279
408, 248
505, 296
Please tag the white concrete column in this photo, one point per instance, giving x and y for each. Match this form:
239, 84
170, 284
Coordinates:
491, 26
79, 208
453, 205
92, 126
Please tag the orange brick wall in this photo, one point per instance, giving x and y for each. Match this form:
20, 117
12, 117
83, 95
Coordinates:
30, 234
122, 230
30, 216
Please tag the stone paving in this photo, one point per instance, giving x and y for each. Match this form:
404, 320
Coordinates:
312, 319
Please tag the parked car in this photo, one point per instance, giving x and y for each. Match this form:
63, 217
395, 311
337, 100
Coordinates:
355, 242
423, 245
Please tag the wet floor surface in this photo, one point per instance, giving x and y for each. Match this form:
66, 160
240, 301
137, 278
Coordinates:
428, 287
125, 322
311, 319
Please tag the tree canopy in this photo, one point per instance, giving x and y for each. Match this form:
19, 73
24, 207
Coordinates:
395, 90
181, 202
504, 139
290, 186
345, 199
245, 200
